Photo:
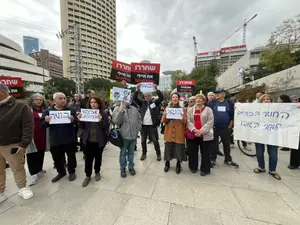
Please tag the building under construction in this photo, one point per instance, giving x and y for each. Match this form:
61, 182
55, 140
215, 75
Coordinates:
225, 57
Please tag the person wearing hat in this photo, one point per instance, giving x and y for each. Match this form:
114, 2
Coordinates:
223, 123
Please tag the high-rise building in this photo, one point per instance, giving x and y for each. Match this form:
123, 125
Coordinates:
97, 21
49, 61
225, 57
30, 44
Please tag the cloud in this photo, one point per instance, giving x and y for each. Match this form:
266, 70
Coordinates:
160, 30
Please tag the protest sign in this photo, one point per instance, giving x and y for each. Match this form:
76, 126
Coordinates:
146, 87
268, 123
120, 94
89, 115
174, 113
15, 86
145, 72
60, 117
120, 71
185, 85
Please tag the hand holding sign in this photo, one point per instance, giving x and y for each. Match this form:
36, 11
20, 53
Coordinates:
60, 117
174, 113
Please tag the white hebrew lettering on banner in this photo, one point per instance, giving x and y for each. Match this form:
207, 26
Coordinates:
174, 113
89, 115
268, 123
120, 94
146, 87
60, 117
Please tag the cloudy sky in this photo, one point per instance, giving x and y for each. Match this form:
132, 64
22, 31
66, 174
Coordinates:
157, 30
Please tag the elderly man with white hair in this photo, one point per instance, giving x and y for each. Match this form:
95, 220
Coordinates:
62, 137
150, 115
16, 132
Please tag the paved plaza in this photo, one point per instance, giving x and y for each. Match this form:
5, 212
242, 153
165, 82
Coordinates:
226, 197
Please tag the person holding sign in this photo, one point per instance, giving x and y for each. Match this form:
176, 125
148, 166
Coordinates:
94, 124
128, 119
175, 120
150, 113
61, 119
272, 150
36, 151
200, 134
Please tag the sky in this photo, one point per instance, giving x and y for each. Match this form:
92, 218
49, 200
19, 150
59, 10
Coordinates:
160, 31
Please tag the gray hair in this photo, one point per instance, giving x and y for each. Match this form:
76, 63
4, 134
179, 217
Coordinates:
201, 96
57, 93
211, 93
4, 88
32, 98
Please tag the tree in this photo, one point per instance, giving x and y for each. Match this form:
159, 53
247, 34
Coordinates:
177, 75
248, 92
98, 84
277, 59
287, 34
59, 84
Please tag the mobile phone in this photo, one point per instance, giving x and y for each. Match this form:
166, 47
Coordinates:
13, 150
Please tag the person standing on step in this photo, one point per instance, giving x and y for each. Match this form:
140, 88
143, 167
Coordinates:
94, 137
36, 151
174, 135
16, 133
62, 138
128, 118
150, 119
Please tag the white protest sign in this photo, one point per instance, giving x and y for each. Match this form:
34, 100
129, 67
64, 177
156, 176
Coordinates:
268, 123
89, 115
120, 94
60, 117
146, 87
174, 113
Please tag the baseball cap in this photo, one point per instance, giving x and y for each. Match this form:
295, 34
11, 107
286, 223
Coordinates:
219, 90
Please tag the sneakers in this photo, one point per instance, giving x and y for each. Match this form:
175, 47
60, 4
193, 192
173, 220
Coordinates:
33, 180
123, 173
97, 176
143, 157
25, 193
132, 171
3, 197
232, 164
72, 176
212, 164
86, 181
58, 177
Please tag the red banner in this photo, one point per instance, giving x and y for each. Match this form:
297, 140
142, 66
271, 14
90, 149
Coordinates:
145, 72
15, 86
185, 85
120, 71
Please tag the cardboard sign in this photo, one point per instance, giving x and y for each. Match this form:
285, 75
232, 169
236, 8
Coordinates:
145, 72
146, 87
174, 113
185, 85
120, 71
121, 94
90, 115
60, 117
268, 123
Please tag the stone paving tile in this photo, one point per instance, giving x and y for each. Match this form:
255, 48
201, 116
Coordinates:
228, 196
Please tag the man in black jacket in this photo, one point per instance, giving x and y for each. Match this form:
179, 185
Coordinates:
150, 119
62, 138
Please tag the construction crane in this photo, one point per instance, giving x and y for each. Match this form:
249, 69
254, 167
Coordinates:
244, 26
195, 50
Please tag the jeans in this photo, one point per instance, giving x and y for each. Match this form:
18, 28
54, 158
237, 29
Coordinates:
93, 154
127, 150
151, 131
224, 133
273, 156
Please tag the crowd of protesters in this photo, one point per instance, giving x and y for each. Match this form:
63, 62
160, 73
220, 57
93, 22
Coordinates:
27, 133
